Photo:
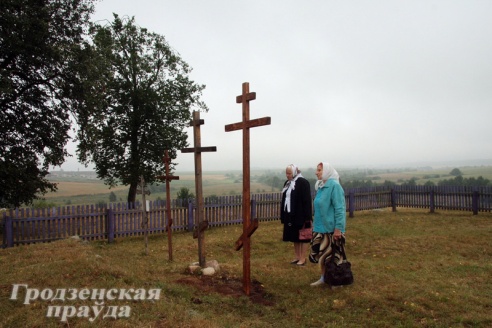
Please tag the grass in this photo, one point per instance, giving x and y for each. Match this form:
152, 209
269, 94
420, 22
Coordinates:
411, 269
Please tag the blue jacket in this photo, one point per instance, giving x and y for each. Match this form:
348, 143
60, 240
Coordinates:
329, 208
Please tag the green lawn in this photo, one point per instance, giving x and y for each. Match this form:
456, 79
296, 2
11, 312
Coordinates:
411, 269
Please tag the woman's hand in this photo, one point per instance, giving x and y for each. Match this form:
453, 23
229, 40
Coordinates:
337, 234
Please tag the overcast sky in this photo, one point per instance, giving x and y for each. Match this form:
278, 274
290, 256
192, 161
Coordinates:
354, 83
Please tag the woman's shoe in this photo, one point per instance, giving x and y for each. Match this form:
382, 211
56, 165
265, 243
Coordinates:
294, 262
301, 264
317, 283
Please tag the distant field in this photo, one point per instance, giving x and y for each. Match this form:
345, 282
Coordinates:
84, 188
91, 191
68, 189
443, 173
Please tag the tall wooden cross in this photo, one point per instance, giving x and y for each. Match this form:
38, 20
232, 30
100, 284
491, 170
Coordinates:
198, 149
168, 177
248, 227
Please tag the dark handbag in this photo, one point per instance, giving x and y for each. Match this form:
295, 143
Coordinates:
306, 233
338, 274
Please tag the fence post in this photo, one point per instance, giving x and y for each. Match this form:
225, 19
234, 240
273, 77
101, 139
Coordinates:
475, 202
351, 204
9, 231
190, 215
110, 224
253, 209
432, 201
393, 199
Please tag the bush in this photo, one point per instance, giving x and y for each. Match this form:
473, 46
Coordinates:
43, 203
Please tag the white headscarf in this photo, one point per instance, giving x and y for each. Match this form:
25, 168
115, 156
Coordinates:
328, 173
291, 185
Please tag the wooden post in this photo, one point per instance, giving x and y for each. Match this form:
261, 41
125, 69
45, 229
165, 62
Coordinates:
351, 204
9, 231
168, 177
248, 228
197, 150
393, 199
432, 201
475, 202
145, 218
110, 225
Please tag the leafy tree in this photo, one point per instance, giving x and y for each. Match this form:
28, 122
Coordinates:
455, 172
101, 203
478, 182
412, 182
212, 199
40, 47
388, 183
460, 181
112, 197
184, 195
358, 184
137, 108
276, 183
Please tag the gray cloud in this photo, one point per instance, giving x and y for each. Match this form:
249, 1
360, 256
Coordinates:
356, 83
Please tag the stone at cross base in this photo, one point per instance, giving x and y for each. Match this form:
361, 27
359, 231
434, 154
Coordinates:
211, 267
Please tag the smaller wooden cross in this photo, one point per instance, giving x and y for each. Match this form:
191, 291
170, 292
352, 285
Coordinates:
168, 177
249, 227
197, 150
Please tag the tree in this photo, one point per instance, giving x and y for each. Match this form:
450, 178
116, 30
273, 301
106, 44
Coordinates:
412, 182
112, 197
455, 172
184, 195
137, 108
40, 42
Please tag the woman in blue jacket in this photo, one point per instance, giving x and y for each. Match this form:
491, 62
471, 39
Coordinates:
329, 216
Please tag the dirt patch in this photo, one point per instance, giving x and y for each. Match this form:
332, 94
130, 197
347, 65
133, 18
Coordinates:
227, 286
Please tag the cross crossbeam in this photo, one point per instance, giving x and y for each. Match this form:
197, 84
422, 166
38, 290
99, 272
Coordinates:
247, 234
248, 124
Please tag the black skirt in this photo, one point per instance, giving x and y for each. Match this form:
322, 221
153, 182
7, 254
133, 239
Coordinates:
291, 233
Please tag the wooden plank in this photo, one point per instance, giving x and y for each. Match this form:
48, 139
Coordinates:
197, 122
246, 97
199, 149
246, 234
249, 124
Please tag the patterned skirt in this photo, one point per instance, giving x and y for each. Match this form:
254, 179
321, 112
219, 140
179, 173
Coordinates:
321, 250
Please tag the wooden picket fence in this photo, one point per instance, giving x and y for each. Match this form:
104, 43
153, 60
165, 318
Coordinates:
91, 222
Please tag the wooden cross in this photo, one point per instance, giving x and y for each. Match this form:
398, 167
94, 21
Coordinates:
168, 177
248, 227
198, 149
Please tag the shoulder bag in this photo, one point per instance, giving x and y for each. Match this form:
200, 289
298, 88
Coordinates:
338, 274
